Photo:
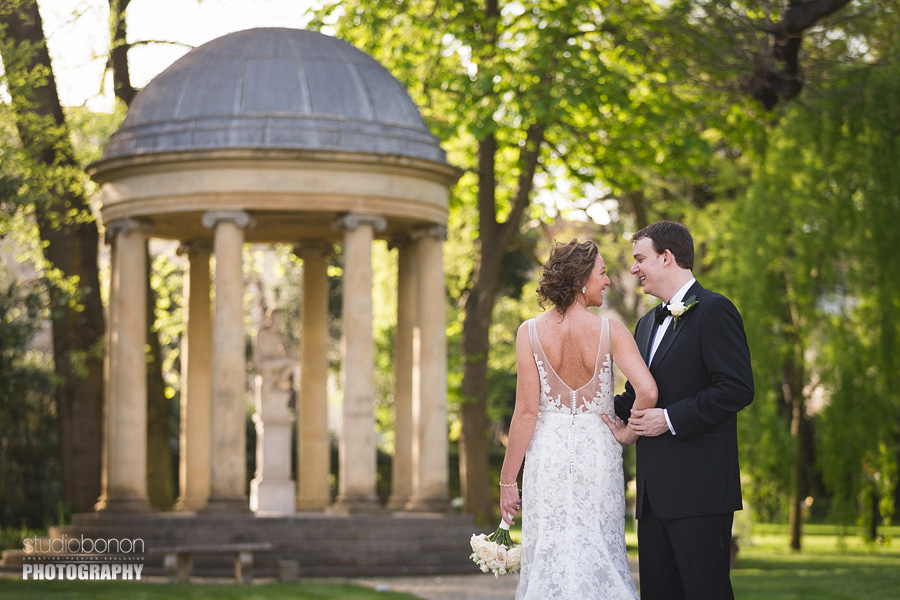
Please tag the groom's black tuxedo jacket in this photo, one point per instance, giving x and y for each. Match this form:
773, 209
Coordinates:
702, 370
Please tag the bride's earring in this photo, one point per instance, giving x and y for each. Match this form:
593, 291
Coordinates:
584, 289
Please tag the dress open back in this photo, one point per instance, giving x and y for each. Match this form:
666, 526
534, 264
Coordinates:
573, 493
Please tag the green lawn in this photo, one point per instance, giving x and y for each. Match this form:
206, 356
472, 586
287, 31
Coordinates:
116, 590
835, 564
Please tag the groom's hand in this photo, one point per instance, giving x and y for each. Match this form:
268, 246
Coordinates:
648, 422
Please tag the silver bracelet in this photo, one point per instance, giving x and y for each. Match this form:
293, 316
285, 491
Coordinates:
509, 485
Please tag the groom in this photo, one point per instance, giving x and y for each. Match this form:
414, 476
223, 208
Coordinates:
688, 480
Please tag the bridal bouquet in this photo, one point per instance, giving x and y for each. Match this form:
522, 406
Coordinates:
495, 552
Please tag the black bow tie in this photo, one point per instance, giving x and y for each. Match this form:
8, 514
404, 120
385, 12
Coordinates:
662, 311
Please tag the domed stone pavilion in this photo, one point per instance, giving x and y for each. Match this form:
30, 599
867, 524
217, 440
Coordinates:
278, 136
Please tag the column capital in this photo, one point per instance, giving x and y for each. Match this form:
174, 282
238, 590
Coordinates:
314, 248
239, 217
353, 221
195, 247
434, 231
126, 225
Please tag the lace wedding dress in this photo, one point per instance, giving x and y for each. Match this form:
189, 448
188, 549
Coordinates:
573, 496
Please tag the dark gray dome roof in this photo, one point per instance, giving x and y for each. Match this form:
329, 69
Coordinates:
275, 88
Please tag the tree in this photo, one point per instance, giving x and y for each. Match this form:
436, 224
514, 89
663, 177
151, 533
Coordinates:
856, 131
658, 104
769, 50
516, 91
780, 256
818, 298
53, 186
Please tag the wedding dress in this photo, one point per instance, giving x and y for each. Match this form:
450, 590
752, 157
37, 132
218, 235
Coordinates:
573, 495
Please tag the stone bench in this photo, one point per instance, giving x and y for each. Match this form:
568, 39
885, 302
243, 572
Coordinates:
179, 560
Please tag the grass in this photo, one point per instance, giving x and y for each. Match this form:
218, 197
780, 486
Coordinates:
834, 564
115, 590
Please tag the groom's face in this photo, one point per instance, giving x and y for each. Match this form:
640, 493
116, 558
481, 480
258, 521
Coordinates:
648, 266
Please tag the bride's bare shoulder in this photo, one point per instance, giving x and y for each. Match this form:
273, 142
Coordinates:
619, 334
618, 327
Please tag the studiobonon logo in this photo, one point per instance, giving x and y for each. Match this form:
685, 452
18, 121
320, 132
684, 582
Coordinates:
83, 558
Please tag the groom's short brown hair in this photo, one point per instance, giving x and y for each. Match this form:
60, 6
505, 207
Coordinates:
672, 236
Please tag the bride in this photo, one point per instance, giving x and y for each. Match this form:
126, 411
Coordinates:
573, 496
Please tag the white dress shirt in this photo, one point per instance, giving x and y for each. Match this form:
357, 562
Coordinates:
661, 330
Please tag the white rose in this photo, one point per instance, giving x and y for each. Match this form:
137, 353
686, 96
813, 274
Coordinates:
501, 557
487, 552
514, 558
676, 308
477, 542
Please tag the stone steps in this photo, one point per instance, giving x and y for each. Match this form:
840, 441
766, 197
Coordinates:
320, 544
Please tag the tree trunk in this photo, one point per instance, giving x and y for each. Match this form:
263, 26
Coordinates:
493, 239
874, 514
118, 52
792, 387
474, 464
794, 394
474, 452
897, 486
70, 247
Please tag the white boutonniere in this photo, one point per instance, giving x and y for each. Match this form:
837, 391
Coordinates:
679, 308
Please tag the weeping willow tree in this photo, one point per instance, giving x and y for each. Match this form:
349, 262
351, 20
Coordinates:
860, 135
819, 293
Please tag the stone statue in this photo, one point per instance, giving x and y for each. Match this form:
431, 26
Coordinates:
273, 353
272, 489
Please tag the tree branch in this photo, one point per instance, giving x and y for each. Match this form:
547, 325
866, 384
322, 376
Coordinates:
770, 86
801, 15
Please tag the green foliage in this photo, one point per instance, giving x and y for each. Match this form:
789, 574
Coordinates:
815, 290
29, 470
568, 86
13, 538
90, 131
859, 133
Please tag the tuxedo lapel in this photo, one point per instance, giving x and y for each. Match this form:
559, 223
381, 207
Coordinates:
645, 337
666, 343
670, 336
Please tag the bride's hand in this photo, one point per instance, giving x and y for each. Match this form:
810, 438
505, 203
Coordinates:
510, 503
620, 430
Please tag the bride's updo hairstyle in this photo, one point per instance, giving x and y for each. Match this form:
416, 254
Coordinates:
565, 273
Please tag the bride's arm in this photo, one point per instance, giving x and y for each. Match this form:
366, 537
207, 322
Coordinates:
626, 355
521, 428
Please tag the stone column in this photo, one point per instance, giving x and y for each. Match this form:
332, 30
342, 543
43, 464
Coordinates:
313, 441
196, 379
430, 447
124, 459
228, 475
357, 452
407, 318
